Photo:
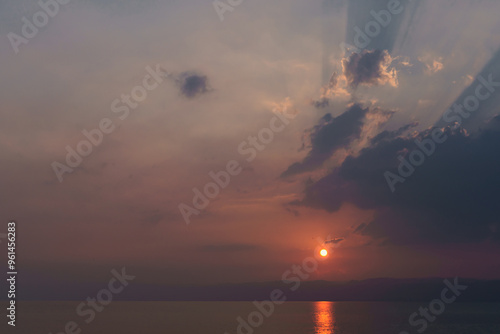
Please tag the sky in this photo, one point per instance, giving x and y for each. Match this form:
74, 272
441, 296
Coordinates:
307, 124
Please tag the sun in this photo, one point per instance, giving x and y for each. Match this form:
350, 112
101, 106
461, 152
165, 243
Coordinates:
323, 252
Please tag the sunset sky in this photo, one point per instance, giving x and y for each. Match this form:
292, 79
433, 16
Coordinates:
344, 116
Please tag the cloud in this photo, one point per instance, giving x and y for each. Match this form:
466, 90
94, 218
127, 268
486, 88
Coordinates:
334, 241
452, 197
389, 135
283, 107
328, 136
336, 87
369, 68
192, 84
321, 103
435, 66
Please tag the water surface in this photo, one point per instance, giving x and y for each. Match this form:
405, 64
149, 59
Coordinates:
288, 318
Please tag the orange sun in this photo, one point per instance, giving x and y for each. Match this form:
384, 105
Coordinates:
323, 252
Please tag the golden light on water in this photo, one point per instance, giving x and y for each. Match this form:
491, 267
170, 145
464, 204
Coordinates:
324, 318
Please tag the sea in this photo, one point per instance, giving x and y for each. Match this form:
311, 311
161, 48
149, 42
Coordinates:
318, 317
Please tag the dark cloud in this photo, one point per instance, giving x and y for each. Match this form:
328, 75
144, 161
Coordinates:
228, 248
358, 17
388, 135
331, 134
334, 241
369, 68
192, 84
452, 197
321, 103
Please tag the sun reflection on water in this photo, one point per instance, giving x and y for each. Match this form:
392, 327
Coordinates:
324, 318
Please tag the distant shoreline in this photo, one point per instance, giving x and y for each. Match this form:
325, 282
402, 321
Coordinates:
369, 290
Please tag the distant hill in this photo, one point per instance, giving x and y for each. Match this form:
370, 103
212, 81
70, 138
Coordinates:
381, 289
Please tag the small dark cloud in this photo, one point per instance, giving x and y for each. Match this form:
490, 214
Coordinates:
369, 68
192, 84
359, 228
321, 103
228, 248
331, 134
334, 241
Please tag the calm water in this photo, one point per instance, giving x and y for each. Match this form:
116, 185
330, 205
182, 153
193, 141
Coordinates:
289, 318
